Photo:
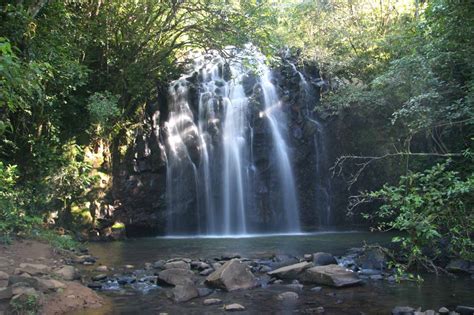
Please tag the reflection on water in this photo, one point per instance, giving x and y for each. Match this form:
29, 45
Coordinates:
376, 297
139, 251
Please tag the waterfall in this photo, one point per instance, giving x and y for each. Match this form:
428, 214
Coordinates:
222, 112
323, 185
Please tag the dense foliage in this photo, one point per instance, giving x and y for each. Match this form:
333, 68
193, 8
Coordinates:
408, 67
75, 77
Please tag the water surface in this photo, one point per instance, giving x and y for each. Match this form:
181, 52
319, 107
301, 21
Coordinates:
374, 297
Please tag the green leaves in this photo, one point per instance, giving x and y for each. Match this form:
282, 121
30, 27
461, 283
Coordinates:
103, 107
433, 210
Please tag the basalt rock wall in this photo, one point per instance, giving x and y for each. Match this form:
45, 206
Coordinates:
140, 190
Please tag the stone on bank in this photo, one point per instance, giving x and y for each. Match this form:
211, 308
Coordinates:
233, 275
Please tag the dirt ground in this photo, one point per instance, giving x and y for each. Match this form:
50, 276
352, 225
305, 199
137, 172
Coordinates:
73, 297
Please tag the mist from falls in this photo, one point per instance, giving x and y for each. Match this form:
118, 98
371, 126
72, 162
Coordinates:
214, 184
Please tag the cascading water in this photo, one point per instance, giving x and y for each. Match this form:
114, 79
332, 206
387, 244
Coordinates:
323, 185
216, 185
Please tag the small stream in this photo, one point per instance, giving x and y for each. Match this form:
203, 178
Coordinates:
374, 297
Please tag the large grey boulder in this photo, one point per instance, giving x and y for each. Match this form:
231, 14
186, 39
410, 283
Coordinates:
50, 284
4, 279
372, 258
5, 262
67, 273
331, 275
458, 265
291, 271
34, 269
177, 265
6, 293
26, 281
176, 276
323, 259
233, 275
183, 293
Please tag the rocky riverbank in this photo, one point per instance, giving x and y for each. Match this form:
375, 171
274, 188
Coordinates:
312, 284
35, 278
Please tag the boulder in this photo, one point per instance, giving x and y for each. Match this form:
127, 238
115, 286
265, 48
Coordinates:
4, 279
5, 293
30, 299
67, 273
465, 310
372, 258
233, 275
332, 275
204, 291
200, 265
183, 293
34, 269
159, 264
102, 269
99, 277
458, 266
176, 276
283, 260
4, 275
177, 265
288, 296
19, 290
26, 281
234, 307
5, 262
50, 284
323, 259
95, 285
291, 271
211, 301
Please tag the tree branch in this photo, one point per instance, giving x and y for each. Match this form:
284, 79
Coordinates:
364, 161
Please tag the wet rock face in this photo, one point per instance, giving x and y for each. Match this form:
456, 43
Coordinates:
139, 191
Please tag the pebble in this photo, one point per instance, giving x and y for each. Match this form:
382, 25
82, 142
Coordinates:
102, 269
288, 296
443, 310
316, 289
148, 266
235, 307
212, 301
99, 277
403, 310
296, 287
